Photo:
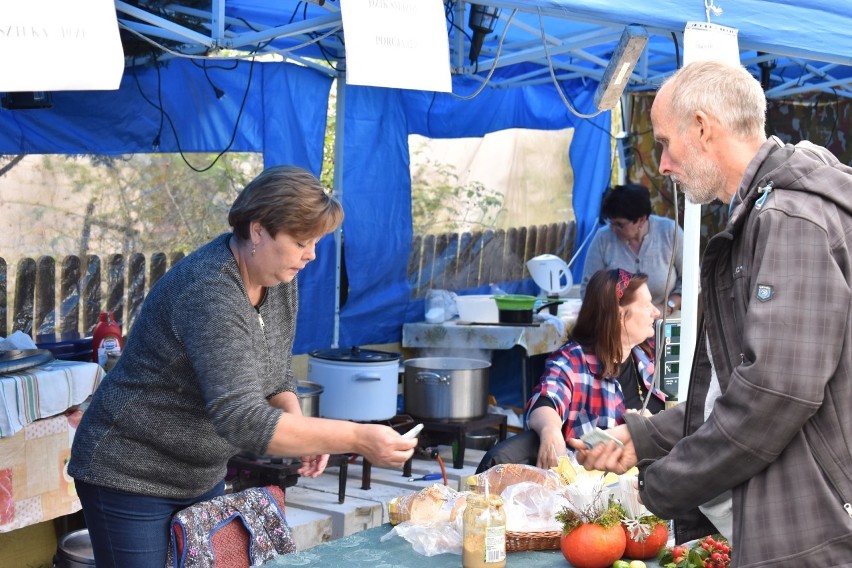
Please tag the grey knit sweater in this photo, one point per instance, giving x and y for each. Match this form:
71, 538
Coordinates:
190, 389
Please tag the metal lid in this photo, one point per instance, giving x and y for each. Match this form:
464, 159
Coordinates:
76, 546
355, 355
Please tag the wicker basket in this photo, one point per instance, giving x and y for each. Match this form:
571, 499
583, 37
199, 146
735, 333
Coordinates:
521, 541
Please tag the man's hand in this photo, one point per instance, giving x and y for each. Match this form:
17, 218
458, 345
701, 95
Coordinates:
609, 456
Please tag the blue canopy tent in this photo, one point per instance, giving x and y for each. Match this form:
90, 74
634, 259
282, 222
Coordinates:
279, 109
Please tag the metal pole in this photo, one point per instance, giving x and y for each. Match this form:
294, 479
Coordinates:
340, 120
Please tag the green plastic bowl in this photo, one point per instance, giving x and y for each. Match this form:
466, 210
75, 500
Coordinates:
515, 302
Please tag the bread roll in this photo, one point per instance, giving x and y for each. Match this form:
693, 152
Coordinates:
435, 503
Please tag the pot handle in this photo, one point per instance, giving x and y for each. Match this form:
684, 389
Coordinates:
547, 305
368, 377
431, 377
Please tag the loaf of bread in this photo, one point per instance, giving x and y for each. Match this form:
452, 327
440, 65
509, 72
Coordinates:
503, 475
435, 503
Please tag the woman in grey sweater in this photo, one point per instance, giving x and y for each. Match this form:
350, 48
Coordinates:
637, 241
206, 374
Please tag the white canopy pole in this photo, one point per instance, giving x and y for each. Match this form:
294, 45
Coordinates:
689, 300
340, 106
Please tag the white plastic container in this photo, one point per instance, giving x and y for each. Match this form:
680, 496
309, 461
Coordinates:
477, 309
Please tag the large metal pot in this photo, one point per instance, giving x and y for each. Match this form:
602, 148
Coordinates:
309, 398
358, 384
446, 388
74, 551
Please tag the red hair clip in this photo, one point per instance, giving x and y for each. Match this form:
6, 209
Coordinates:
623, 282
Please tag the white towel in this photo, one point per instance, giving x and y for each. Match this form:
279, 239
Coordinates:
44, 391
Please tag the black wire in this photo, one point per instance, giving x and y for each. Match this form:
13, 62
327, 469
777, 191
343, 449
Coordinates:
206, 64
677, 50
164, 114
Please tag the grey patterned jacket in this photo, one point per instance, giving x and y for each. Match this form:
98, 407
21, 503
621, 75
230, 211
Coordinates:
776, 291
190, 389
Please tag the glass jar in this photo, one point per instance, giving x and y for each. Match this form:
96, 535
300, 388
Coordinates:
484, 532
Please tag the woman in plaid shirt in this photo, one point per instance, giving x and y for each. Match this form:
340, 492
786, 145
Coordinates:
605, 370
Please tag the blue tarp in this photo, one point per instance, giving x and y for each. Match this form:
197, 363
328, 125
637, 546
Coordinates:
284, 116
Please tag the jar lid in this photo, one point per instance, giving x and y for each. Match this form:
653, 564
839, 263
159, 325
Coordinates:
355, 355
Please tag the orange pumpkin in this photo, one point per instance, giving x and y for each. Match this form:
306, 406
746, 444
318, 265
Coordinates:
649, 548
593, 546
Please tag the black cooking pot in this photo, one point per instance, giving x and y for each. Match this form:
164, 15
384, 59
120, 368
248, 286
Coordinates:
518, 308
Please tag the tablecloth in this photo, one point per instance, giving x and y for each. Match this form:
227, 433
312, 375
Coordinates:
44, 391
34, 482
365, 549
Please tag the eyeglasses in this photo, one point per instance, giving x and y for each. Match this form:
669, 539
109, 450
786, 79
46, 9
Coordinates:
620, 225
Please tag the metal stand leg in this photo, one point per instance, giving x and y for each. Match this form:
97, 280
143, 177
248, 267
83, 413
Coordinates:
366, 471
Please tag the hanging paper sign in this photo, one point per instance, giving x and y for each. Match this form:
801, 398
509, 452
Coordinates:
704, 41
57, 45
397, 43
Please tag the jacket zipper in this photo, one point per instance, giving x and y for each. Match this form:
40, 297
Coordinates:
265, 341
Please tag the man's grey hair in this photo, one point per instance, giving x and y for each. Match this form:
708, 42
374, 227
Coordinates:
726, 92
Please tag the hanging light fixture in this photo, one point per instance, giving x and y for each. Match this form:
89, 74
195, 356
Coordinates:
481, 22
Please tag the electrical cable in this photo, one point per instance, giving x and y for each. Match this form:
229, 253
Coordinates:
494, 65
658, 349
165, 115
553, 73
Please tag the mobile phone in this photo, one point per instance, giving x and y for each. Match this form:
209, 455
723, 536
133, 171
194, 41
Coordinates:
598, 436
413, 432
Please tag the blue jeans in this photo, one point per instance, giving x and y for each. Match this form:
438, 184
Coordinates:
128, 530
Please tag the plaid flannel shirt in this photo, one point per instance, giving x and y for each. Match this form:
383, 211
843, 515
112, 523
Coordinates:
583, 398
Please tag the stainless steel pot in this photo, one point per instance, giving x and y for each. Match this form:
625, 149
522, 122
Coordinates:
309, 397
74, 551
446, 388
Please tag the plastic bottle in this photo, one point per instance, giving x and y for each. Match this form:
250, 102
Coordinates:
484, 530
106, 339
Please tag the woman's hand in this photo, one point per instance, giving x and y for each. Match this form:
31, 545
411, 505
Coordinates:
384, 446
609, 456
551, 446
312, 466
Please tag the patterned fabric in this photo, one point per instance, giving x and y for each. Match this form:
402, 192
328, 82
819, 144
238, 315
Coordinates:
607, 251
191, 387
256, 510
44, 391
582, 397
779, 434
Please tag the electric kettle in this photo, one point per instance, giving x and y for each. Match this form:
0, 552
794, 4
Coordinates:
551, 273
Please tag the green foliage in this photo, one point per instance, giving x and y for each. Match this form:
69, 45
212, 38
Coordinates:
609, 517
150, 202
440, 203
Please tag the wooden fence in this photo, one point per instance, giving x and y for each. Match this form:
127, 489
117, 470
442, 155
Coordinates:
449, 261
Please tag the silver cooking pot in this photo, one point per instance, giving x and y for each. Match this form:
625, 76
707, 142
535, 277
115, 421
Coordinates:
446, 388
309, 397
74, 550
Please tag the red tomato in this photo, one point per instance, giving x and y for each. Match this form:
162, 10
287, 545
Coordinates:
593, 546
654, 543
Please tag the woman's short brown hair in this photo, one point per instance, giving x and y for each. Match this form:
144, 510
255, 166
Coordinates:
598, 326
288, 199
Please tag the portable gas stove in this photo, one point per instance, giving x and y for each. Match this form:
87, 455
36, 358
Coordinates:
245, 471
454, 432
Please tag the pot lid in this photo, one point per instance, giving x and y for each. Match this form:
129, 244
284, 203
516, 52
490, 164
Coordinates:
20, 359
355, 355
76, 546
